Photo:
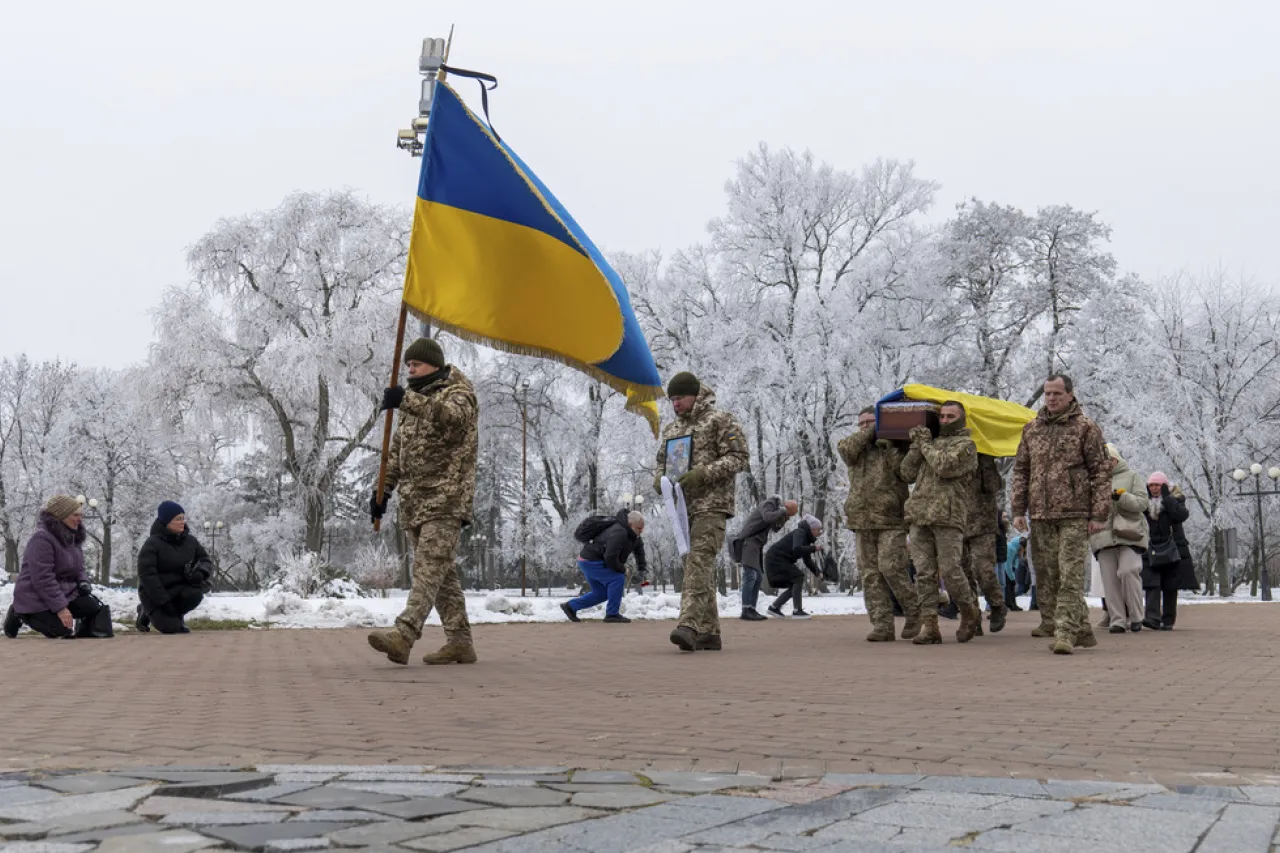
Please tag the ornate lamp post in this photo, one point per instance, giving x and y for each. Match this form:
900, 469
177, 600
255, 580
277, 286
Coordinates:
1240, 475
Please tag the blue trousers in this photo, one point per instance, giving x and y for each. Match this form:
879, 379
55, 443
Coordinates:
606, 585
750, 586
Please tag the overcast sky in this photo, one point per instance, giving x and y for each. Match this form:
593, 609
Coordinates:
127, 129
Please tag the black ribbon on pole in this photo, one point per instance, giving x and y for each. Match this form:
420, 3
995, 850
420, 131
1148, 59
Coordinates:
481, 78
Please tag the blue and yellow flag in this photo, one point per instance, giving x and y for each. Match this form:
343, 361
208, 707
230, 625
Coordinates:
996, 425
495, 258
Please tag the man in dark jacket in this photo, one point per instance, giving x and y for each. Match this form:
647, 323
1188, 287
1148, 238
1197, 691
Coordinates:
603, 561
173, 573
748, 548
780, 566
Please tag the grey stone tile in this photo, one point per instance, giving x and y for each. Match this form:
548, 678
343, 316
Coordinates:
630, 797
973, 785
604, 777
391, 832
1174, 831
426, 807
1242, 829
286, 845
955, 800
257, 837
476, 770
69, 824
535, 778
169, 841
927, 816
1012, 841
1267, 795
402, 789
344, 768
543, 841
1180, 803
857, 830
624, 832
312, 778
1215, 792
75, 804
86, 783
735, 807
202, 819
929, 839
347, 816
502, 782
43, 847
216, 786
574, 788
526, 797
179, 776
696, 783
467, 836
21, 795
866, 780
522, 820
792, 820
155, 806
1129, 792
335, 797
799, 843
1023, 809
1069, 790
664, 847
271, 792
379, 776
97, 835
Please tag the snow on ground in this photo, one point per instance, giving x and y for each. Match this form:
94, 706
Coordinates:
284, 610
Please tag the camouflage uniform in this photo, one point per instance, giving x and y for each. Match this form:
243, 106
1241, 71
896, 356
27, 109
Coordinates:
433, 464
938, 513
874, 512
719, 453
1061, 480
979, 562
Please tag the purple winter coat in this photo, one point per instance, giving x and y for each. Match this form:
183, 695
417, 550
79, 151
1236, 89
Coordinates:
52, 567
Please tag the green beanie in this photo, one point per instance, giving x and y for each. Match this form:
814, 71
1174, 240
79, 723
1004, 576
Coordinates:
683, 385
426, 351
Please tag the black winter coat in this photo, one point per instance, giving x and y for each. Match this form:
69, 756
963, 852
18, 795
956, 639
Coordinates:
162, 564
780, 559
1167, 526
615, 545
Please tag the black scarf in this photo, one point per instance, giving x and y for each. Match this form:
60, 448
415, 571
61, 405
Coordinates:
422, 384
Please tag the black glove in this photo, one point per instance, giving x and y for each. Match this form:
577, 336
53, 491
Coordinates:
378, 510
84, 588
1164, 490
392, 398
198, 572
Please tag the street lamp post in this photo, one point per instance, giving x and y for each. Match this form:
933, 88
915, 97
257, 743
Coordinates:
524, 474
213, 528
1240, 475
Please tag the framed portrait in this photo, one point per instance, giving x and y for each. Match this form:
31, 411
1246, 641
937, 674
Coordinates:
679, 457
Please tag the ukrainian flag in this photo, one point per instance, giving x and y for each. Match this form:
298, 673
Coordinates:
495, 258
995, 425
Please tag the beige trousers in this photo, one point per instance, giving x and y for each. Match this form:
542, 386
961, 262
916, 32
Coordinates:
1121, 569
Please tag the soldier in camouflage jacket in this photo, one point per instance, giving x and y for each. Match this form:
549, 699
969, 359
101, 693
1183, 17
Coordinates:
986, 488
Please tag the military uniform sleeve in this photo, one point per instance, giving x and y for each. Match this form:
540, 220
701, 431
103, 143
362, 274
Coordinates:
910, 468
732, 455
1021, 476
951, 459
851, 447
393, 464
1098, 465
991, 482
662, 455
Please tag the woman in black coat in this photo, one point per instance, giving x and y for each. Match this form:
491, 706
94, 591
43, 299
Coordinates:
173, 573
780, 566
1166, 512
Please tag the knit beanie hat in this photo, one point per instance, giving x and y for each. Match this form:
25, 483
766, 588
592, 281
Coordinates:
168, 511
813, 523
62, 507
683, 385
1158, 478
425, 350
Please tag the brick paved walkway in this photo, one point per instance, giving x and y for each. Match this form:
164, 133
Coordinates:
785, 699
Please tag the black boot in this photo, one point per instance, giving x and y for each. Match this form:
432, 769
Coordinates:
12, 623
142, 623
616, 617
570, 612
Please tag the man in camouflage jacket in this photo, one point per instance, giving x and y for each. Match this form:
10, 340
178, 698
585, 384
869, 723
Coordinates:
937, 511
979, 561
1062, 482
719, 454
874, 512
433, 464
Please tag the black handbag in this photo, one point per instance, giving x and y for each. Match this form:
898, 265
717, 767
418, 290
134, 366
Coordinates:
1163, 553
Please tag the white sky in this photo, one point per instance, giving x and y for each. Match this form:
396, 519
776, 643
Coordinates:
128, 128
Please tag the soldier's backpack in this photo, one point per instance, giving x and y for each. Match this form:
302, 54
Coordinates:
592, 526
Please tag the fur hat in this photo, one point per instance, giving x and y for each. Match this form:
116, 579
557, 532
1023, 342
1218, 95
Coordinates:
62, 507
683, 385
425, 350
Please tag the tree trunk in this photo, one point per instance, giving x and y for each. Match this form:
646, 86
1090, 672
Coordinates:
104, 563
313, 510
11, 564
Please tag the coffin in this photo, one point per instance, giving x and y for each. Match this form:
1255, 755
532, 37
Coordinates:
895, 421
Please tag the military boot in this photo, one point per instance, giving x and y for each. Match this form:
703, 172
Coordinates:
970, 623
928, 634
1085, 639
708, 643
685, 637
451, 653
912, 626
977, 626
1061, 646
393, 644
1046, 628
998, 615
881, 635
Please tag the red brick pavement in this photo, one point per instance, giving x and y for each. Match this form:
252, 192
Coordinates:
789, 699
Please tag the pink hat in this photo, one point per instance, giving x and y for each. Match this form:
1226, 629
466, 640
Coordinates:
1159, 478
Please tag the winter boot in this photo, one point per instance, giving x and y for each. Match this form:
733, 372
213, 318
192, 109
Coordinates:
881, 635
142, 623
708, 643
393, 644
928, 634
1061, 646
977, 627
617, 618
570, 612
451, 653
912, 627
1046, 628
12, 623
1086, 639
970, 623
998, 615
684, 637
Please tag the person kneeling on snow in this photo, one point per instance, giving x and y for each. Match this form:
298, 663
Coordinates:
608, 542
53, 595
780, 566
173, 573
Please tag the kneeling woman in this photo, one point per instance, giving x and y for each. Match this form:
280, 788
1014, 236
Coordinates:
173, 573
53, 595
780, 566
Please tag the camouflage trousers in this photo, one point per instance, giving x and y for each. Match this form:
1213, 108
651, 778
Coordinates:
979, 565
435, 582
882, 562
1058, 549
936, 552
699, 608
